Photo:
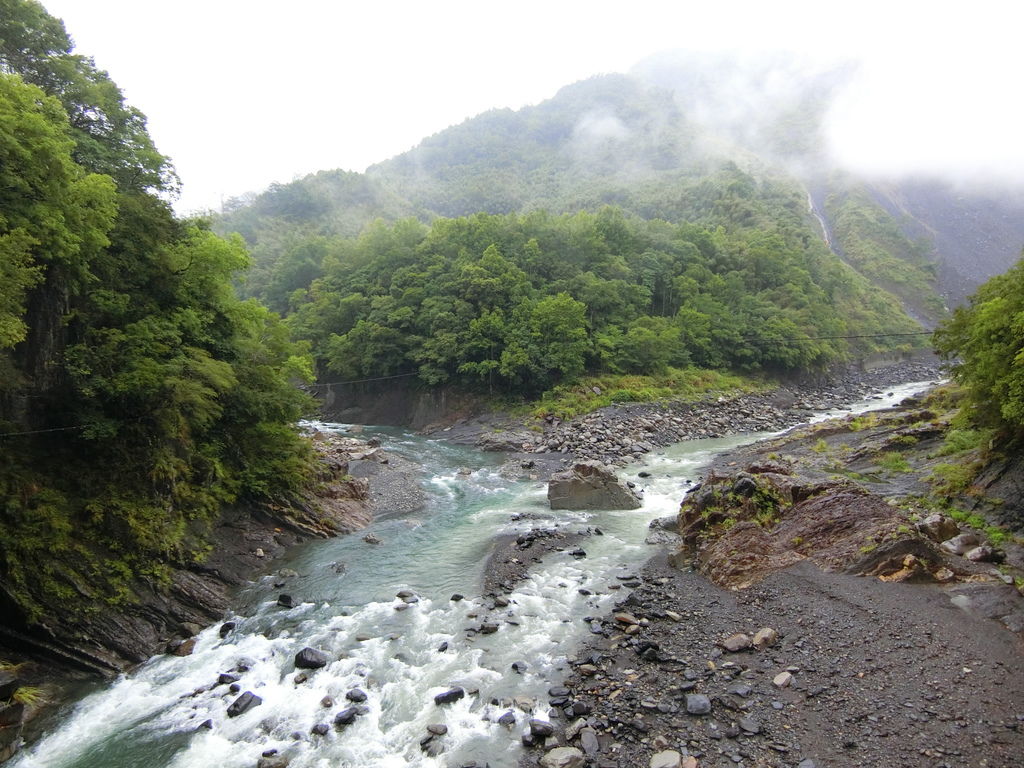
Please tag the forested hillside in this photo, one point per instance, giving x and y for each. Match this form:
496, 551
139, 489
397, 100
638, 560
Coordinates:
138, 395
711, 141
518, 303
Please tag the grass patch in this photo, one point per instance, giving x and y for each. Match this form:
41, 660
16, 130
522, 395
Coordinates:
29, 695
593, 392
949, 479
865, 421
963, 440
894, 462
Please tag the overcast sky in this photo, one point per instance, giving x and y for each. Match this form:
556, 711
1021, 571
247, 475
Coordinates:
243, 93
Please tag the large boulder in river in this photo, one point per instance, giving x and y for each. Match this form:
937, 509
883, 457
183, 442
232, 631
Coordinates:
590, 485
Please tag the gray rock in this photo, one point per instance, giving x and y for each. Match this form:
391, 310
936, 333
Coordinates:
508, 719
589, 742
736, 643
356, 695
938, 527
541, 728
347, 716
982, 554
244, 703
698, 704
273, 761
958, 545
437, 729
320, 729
668, 758
310, 658
590, 485
764, 637
749, 725
563, 757
9, 683
452, 694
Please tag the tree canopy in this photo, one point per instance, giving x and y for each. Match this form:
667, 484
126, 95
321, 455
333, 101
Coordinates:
985, 342
139, 396
522, 302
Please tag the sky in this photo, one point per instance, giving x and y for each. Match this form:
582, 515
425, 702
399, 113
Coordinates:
244, 93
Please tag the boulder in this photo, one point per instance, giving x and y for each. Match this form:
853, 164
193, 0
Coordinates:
765, 637
562, 757
453, 694
668, 758
590, 485
961, 544
9, 683
938, 527
347, 716
12, 714
738, 642
310, 658
183, 648
244, 703
541, 728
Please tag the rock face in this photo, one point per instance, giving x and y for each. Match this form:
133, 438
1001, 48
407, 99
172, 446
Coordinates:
590, 485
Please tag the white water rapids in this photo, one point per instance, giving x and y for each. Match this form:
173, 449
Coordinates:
150, 717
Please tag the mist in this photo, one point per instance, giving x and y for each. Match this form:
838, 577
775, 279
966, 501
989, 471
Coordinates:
262, 95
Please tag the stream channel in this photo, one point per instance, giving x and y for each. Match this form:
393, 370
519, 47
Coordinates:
150, 717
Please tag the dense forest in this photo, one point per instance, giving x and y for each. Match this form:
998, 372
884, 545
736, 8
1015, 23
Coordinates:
985, 342
138, 394
521, 302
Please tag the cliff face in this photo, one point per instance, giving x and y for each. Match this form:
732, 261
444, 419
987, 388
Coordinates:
974, 234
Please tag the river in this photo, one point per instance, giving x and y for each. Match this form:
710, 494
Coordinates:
347, 592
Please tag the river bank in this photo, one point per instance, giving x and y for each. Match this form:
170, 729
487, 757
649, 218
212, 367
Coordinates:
812, 608
68, 651
624, 433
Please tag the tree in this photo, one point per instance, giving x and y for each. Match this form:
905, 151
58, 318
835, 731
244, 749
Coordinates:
986, 341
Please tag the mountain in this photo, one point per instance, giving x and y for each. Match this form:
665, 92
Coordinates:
730, 145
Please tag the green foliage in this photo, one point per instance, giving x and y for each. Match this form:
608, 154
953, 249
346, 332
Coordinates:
109, 136
872, 242
962, 440
521, 303
593, 392
29, 695
985, 341
951, 479
140, 394
894, 462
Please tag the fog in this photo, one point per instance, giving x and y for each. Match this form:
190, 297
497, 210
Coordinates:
244, 93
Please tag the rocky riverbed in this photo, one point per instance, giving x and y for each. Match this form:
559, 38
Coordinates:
624, 433
810, 609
